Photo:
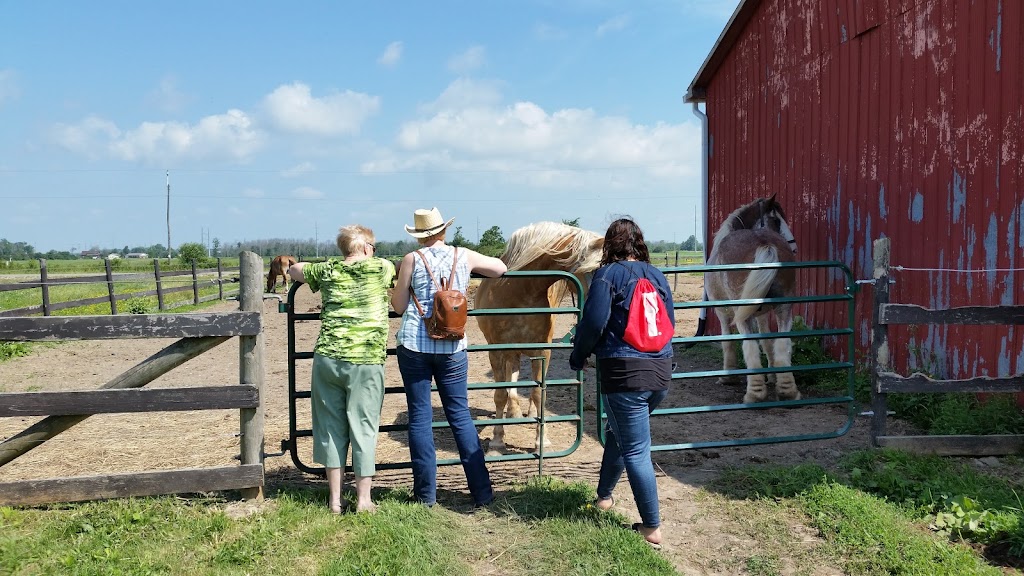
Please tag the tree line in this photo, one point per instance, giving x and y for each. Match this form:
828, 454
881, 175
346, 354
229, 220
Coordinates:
492, 243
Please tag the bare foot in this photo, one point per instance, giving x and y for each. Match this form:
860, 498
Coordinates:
368, 507
604, 504
651, 535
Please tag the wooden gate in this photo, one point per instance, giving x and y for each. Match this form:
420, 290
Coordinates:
885, 381
198, 333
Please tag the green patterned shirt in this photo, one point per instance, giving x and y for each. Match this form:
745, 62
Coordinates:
354, 318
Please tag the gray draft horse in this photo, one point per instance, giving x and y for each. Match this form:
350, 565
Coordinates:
756, 233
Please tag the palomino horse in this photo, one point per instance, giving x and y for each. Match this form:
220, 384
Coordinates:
279, 267
756, 233
539, 246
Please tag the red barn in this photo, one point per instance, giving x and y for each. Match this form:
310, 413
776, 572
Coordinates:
871, 118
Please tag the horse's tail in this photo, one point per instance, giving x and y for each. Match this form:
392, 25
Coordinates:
758, 282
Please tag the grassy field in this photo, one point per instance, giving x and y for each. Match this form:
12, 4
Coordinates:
144, 282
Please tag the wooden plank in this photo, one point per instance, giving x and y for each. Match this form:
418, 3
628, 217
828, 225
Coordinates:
988, 445
176, 273
26, 285
135, 377
46, 287
22, 311
879, 358
889, 382
914, 314
82, 488
131, 326
123, 401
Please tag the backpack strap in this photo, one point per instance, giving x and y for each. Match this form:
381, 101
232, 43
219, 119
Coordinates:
455, 261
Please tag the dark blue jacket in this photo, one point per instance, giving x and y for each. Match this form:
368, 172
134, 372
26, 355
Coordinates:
606, 308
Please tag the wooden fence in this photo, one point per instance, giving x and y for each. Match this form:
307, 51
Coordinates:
198, 333
885, 381
110, 279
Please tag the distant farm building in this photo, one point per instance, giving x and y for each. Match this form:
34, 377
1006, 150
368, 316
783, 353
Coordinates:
140, 255
872, 118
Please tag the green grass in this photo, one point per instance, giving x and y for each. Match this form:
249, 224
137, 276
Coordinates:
541, 527
890, 512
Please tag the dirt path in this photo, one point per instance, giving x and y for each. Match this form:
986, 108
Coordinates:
122, 443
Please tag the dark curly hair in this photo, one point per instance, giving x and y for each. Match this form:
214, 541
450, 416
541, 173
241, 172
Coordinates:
623, 241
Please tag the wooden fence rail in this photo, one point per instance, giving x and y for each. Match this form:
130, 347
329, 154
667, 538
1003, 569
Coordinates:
46, 282
197, 333
885, 381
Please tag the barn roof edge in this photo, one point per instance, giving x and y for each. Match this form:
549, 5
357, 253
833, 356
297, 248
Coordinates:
697, 91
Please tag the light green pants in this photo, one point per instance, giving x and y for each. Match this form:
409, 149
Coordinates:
347, 400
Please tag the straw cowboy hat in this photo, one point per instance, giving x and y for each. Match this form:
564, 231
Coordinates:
426, 223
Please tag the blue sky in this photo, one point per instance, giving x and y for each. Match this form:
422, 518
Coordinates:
288, 120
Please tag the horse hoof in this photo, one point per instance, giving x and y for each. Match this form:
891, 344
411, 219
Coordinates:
794, 395
753, 397
730, 380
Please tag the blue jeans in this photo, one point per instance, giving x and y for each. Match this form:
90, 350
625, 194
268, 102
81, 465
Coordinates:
627, 446
450, 371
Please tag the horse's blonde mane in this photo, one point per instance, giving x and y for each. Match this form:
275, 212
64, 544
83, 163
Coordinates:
533, 241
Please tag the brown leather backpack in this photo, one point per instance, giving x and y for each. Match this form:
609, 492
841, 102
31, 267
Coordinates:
448, 321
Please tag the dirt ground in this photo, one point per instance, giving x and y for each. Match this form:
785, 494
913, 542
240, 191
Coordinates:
124, 443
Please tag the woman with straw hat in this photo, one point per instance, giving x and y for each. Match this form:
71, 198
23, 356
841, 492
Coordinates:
422, 358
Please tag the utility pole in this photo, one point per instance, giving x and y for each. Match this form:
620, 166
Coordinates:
168, 215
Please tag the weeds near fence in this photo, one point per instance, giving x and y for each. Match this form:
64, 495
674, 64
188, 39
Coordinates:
876, 508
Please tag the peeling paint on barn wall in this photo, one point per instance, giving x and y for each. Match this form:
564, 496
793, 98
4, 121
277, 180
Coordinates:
903, 120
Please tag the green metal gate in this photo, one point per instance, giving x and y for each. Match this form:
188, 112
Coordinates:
297, 394
846, 296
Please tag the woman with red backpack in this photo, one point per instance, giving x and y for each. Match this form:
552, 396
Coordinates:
628, 323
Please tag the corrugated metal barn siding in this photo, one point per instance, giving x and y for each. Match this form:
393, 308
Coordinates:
892, 118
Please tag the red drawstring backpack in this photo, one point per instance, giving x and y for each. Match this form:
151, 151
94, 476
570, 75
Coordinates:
648, 326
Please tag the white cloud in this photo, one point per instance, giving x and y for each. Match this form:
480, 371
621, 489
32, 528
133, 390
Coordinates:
230, 135
292, 108
466, 62
614, 24
548, 149
306, 193
167, 97
298, 170
8, 86
465, 93
391, 55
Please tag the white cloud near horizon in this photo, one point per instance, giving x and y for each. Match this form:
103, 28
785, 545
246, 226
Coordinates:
465, 62
548, 149
391, 55
292, 108
613, 24
230, 135
8, 86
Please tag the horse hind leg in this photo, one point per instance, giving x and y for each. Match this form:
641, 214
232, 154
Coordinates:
728, 351
785, 383
506, 400
757, 389
536, 397
764, 326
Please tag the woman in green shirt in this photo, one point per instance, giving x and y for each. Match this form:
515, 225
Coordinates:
348, 359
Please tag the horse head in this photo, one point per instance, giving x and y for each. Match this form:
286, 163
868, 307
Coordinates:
763, 213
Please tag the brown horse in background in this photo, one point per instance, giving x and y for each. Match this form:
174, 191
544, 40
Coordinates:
279, 267
756, 233
540, 246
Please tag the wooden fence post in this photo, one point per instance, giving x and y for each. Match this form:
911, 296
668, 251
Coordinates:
159, 286
43, 278
880, 354
220, 281
195, 285
250, 366
110, 286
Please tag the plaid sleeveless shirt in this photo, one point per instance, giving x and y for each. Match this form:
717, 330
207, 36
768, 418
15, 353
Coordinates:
412, 333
